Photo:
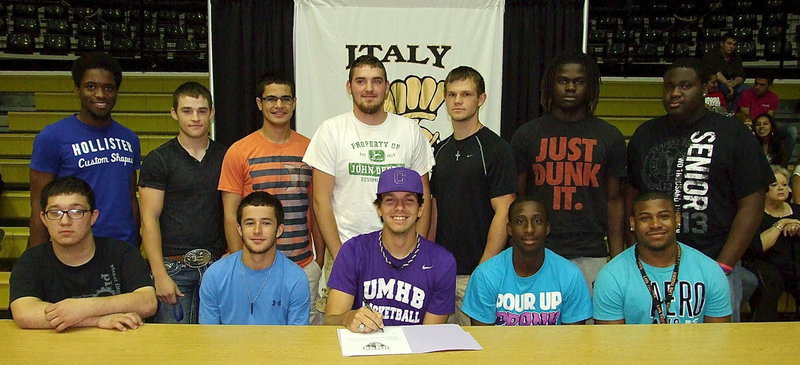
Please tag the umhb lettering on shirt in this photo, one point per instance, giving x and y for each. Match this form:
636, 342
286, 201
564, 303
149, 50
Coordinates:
565, 164
524, 310
691, 182
689, 299
382, 290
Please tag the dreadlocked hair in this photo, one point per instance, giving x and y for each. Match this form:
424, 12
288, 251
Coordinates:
592, 79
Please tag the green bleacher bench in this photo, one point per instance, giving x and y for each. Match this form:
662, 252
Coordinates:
125, 102
21, 144
16, 205
135, 82
630, 107
15, 171
4, 289
141, 123
15, 242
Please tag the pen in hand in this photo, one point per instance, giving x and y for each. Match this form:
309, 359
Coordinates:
364, 303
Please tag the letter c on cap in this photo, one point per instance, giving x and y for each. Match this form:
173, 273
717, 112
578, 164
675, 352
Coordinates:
399, 177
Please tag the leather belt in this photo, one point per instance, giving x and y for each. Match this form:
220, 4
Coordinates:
178, 258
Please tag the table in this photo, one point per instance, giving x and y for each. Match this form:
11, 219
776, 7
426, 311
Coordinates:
748, 343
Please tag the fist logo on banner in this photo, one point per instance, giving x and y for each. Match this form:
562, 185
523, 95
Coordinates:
416, 98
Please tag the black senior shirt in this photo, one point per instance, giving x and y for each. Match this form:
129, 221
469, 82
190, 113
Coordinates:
706, 167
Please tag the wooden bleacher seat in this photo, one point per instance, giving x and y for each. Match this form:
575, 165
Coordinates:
142, 123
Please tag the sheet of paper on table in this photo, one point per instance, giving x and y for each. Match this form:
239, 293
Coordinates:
407, 340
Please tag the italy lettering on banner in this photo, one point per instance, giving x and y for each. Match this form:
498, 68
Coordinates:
418, 43
566, 164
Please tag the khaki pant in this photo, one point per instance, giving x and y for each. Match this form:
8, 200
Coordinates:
459, 317
313, 273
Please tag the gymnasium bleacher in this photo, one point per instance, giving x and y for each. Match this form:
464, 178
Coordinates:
39, 41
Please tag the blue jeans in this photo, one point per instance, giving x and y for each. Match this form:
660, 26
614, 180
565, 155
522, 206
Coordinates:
742, 284
188, 281
733, 104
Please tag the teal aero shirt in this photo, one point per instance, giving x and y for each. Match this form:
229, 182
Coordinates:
701, 290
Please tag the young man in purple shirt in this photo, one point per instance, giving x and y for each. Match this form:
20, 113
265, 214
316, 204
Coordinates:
392, 276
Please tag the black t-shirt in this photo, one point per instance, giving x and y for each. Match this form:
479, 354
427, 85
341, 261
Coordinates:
467, 175
715, 62
786, 250
706, 167
568, 164
192, 216
116, 268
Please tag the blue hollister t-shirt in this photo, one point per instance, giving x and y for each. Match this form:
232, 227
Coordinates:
701, 290
106, 158
555, 294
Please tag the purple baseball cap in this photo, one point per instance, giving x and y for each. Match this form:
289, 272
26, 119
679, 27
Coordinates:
399, 179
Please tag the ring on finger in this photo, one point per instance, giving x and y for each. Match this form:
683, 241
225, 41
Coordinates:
361, 327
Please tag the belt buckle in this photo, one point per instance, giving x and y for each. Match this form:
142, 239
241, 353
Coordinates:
197, 258
322, 301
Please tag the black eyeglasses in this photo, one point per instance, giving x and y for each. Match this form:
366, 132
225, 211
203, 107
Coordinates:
272, 100
55, 214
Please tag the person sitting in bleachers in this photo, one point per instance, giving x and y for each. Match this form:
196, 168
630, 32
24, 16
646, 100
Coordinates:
715, 100
759, 99
771, 140
727, 65
774, 253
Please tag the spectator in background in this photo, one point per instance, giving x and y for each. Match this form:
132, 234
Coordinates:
771, 140
92, 146
775, 250
727, 65
715, 100
759, 99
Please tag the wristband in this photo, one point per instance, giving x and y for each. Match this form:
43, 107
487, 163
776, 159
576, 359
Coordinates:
727, 269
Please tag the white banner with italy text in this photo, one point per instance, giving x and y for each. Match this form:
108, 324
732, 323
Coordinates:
418, 41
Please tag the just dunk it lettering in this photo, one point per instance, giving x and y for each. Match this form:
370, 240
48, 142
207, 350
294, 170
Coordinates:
566, 164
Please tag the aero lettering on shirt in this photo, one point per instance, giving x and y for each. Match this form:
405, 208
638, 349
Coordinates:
687, 305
